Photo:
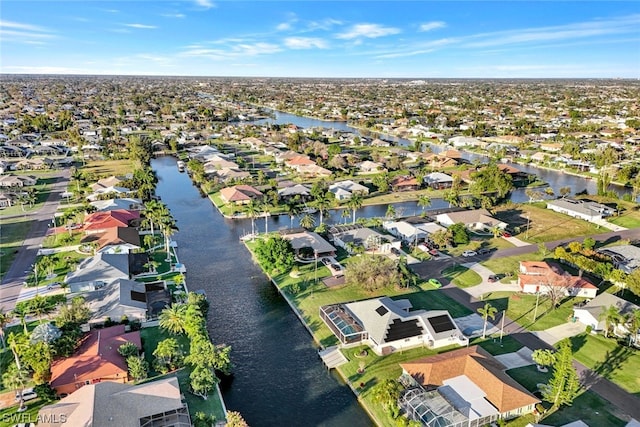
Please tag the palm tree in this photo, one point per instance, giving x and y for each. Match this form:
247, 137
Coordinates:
252, 212
5, 319
307, 221
355, 203
391, 211
488, 311
292, 210
151, 210
324, 202
20, 311
424, 201
149, 241
173, 318
39, 306
496, 231
611, 318
15, 378
633, 320
264, 206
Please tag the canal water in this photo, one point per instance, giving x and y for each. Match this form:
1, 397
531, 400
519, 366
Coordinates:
278, 379
555, 179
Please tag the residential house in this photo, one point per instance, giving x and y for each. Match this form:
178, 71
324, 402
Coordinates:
112, 181
310, 242
6, 200
17, 181
411, 233
96, 360
436, 161
583, 209
227, 174
368, 166
404, 183
113, 192
591, 313
157, 403
343, 190
438, 180
468, 386
129, 204
100, 222
98, 270
297, 190
466, 141
351, 236
388, 325
624, 257
475, 219
542, 277
118, 240
240, 194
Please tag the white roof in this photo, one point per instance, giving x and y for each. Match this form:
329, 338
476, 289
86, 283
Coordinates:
467, 397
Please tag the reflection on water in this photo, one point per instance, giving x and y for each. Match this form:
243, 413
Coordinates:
278, 377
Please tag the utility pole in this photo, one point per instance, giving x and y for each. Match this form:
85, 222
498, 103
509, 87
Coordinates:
535, 311
527, 233
504, 313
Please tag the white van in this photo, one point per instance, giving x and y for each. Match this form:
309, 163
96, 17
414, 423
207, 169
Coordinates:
27, 394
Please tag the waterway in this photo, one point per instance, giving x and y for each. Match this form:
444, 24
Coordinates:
278, 377
554, 179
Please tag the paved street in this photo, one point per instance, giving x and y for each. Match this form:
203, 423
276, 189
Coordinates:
40, 221
626, 402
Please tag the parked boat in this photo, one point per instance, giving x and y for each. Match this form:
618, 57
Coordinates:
181, 165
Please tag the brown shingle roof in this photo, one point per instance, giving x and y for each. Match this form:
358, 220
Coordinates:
480, 367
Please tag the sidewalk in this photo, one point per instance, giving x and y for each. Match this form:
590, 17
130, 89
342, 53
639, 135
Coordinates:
516, 242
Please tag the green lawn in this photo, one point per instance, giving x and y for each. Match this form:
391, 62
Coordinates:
105, 168
10, 417
626, 221
606, 357
495, 347
544, 224
462, 277
510, 265
12, 234
521, 308
588, 407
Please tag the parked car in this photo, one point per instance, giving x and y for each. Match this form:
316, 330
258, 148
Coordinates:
467, 254
27, 394
72, 226
484, 251
435, 283
506, 234
493, 278
396, 251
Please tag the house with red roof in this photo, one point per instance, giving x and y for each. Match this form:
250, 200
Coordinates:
100, 222
542, 277
405, 183
240, 194
469, 385
97, 359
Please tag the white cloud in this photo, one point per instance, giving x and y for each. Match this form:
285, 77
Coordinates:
284, 26
24, 33
141, 26
417, 49
234, 51
207, 4
21, 26
370, 31
433, 25
305, 43
174, 15
325, 24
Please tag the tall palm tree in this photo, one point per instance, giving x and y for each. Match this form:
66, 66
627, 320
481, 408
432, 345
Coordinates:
488, 311
633, 320
5, 319
391, 211
611, 317
251, 209
264, 206
292, 210
323, 203
21, 312
307, 221
496, 231
15, 378
424, 201
354, 203
173, 318
151, 210
39, 306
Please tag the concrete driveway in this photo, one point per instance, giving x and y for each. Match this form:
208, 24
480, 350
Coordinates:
487, 287
552, 335
518, 359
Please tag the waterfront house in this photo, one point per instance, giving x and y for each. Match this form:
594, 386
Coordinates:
474, 219
624, 257
157, 403
351, 236
100, 222
388, 325
438, 180
295, 190
117, 240
112, 181
129, 204
240, 194
404, 183
307, 241
96, 271
411, 233
590, 313
542, 277
469, 385
343, 190
583, 209
96, 360
116, 299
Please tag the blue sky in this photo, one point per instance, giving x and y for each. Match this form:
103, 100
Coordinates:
322, 38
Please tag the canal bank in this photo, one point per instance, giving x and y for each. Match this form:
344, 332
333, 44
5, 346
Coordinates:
278, 378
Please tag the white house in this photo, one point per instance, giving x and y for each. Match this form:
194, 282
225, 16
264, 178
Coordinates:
388, 325
589, 211
624, 257
590, 314
343, 190
476, 219
411, 233
347, 236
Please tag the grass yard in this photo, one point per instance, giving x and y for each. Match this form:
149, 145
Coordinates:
105, 168
587, 407
520, 308
618, 363
462, 277
12, 234
378, 369
544, 225
11, 417
510, 265
626, 221
493, 346
402, 196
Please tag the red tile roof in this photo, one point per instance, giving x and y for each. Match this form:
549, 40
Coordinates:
97, 357
239, 193
108, 219
480, 367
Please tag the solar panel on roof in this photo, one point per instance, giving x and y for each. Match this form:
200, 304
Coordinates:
441, 323
399, 330
382, 310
